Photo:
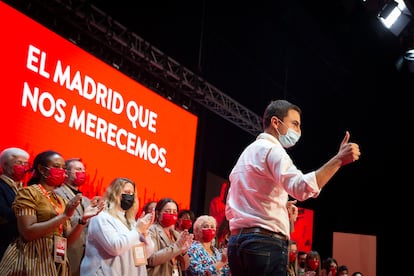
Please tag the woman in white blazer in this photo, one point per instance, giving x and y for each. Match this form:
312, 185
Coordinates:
117, 244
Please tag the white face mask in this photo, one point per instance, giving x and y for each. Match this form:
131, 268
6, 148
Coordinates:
290, 138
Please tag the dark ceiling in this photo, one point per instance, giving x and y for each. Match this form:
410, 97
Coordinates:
262, 50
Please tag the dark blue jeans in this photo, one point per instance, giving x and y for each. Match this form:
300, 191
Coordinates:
257, 255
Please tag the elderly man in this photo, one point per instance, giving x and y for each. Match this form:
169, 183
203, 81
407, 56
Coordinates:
14, 165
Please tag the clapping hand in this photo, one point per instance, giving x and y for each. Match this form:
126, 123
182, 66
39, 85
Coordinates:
96, 200
145, 221
72, 204
97, 205
185, 240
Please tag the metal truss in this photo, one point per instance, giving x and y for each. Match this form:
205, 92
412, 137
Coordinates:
99, 34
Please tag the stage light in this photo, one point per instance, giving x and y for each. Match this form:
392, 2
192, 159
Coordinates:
405, 63
395, 16
409, 57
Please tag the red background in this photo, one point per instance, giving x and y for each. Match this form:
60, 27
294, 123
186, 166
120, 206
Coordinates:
28, 128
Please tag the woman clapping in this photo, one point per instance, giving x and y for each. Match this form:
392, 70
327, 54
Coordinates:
205, 258
116, 243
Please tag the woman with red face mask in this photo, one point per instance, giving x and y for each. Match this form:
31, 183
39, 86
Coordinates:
185, 220
313, 264
170, 256
329, 267
43, 222
205, 258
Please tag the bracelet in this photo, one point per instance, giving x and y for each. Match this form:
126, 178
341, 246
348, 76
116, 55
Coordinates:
81, 222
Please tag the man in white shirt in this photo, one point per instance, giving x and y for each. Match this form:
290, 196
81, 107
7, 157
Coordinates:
260, 184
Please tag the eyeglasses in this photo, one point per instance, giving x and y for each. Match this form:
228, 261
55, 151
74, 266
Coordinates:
22, 163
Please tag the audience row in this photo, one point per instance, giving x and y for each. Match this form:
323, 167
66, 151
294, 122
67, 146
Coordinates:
50, 228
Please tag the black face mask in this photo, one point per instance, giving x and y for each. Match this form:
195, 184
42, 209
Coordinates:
302, 264
127, 201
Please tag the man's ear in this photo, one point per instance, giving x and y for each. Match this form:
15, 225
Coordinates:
274, 121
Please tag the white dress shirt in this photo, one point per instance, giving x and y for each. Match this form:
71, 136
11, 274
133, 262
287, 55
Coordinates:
260, 184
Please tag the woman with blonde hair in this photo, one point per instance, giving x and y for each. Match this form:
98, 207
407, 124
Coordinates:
117, 244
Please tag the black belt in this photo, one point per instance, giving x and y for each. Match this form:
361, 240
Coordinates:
259, 230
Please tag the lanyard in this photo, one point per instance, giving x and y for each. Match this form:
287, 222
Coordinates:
58, 209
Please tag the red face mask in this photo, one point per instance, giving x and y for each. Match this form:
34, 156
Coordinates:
186, 223
168, 219
313, 264
333, 271
56, 176
80, 178
292, 257
19, 172
208, 234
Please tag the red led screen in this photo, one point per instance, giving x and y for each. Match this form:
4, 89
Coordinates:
57, 96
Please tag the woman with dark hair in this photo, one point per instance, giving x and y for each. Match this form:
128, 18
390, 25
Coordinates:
43, 222
342, 271
313, 263
329, 267
185, 220
170, 253
148, 207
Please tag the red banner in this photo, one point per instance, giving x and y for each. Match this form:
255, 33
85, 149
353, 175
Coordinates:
57, 96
